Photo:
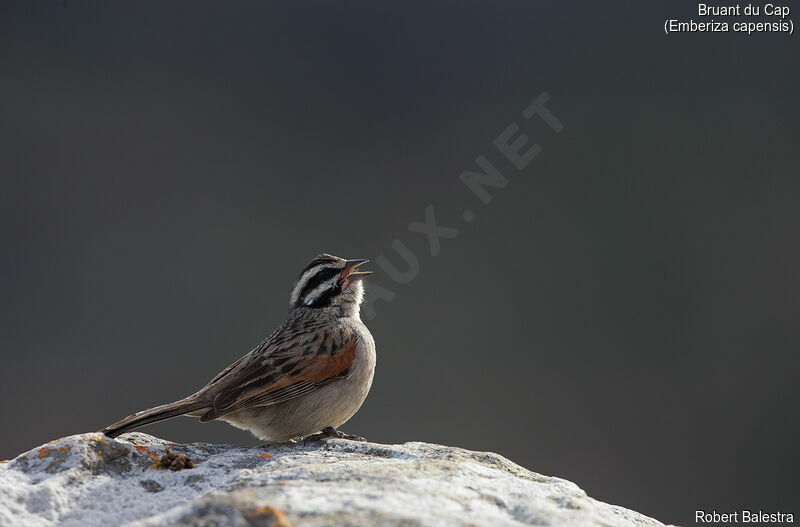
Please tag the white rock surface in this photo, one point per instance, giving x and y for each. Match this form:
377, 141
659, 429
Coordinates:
88, 479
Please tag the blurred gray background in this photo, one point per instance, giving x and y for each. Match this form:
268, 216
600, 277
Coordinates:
624, 314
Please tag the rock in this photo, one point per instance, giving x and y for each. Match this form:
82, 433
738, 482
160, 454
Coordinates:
88, 479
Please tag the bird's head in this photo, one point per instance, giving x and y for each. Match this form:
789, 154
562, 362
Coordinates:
331, 283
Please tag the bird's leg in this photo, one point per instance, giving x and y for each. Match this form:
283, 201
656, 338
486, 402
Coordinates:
330, 431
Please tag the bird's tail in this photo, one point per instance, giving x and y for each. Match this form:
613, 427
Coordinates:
153, 415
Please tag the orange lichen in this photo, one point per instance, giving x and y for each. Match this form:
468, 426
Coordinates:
5, 461
154, 459
44, 451
265, 456
100, 440
280, 517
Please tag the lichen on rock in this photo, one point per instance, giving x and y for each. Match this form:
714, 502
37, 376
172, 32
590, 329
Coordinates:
88, 479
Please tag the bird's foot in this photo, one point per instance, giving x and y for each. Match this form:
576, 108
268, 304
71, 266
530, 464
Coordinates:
330, 431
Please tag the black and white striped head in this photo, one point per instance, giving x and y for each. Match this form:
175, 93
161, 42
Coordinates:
330, 282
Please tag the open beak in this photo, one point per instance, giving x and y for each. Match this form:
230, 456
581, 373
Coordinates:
350, 270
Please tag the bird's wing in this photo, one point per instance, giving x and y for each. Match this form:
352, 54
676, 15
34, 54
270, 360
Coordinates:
294, 361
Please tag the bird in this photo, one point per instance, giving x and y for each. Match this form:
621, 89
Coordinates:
305, 380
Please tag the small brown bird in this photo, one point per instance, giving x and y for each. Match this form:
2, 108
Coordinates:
310, 375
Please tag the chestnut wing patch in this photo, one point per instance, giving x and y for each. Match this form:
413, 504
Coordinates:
284, 376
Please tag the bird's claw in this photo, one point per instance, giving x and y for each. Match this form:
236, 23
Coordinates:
328, 432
